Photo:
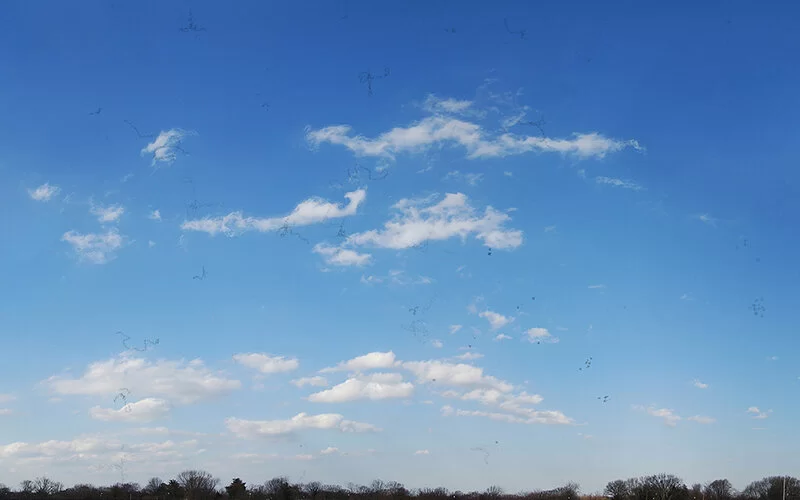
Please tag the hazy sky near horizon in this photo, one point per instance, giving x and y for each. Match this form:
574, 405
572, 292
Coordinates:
443, 243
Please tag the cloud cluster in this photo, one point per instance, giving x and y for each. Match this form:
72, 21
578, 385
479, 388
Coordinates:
165, 146
106, 213
375, 386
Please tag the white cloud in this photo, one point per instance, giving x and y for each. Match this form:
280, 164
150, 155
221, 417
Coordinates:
435, 104
370, 361
668, 415
441, 131
110, 213
396, 277
454, 329
7, 398
496, 320
699, 385
501, 336
547, 417
686, 296
311, 211
155, 215
706, 219
422, 452
471, 179
375, 386
758, 413
97, 248
144, 410
164, 148
330, 450
316, 381
45, 192
266, 363
151, 243
415, 223
437, 344
457, 375
596, 287
550, 229
338, 256
176, 381
625, 184
248, 429
536, 335
702, 420
468, 356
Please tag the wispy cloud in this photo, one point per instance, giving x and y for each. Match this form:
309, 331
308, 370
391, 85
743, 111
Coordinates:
248, 429
438, 344
443, 129
155, 215
501, 337
700, 419
620, 183
338, 256
45, 192
596, 287
550, 229
310, 211
706, 219
469, 356
472, 179
97, 248
315, 381
106, 213
434, 104
667, 415
757, 413
699, 385
165, 147
266, 363
454, 329
422, 452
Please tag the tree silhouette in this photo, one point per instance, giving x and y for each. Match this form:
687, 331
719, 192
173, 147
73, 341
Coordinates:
237, 489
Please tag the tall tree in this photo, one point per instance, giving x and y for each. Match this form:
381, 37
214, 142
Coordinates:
237, 489
197, 484
618, 490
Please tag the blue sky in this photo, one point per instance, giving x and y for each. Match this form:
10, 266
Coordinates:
403, 285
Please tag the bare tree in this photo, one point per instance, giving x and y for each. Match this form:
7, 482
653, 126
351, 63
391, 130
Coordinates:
197, 484
720, 489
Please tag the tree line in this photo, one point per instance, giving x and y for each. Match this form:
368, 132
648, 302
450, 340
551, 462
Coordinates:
201, 485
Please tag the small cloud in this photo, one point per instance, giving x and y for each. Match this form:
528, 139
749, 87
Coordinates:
686, 296
502, 336
316, 381
702, 420
7, 398
596, 287
165, 147
151, 244
508, 174
668, 415
330, 450
266, 363
537, 335
97, 248
155, 215
772, 358
585, 436
437, 344
469, 356
706, 219
337, 256
422, 452
496, 320
621, 183
549, 229
757, 413
455, 329
44, 192
699, 385
471, 179
582, 173
110, 213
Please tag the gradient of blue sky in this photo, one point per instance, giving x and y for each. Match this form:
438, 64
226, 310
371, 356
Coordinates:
636, 256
